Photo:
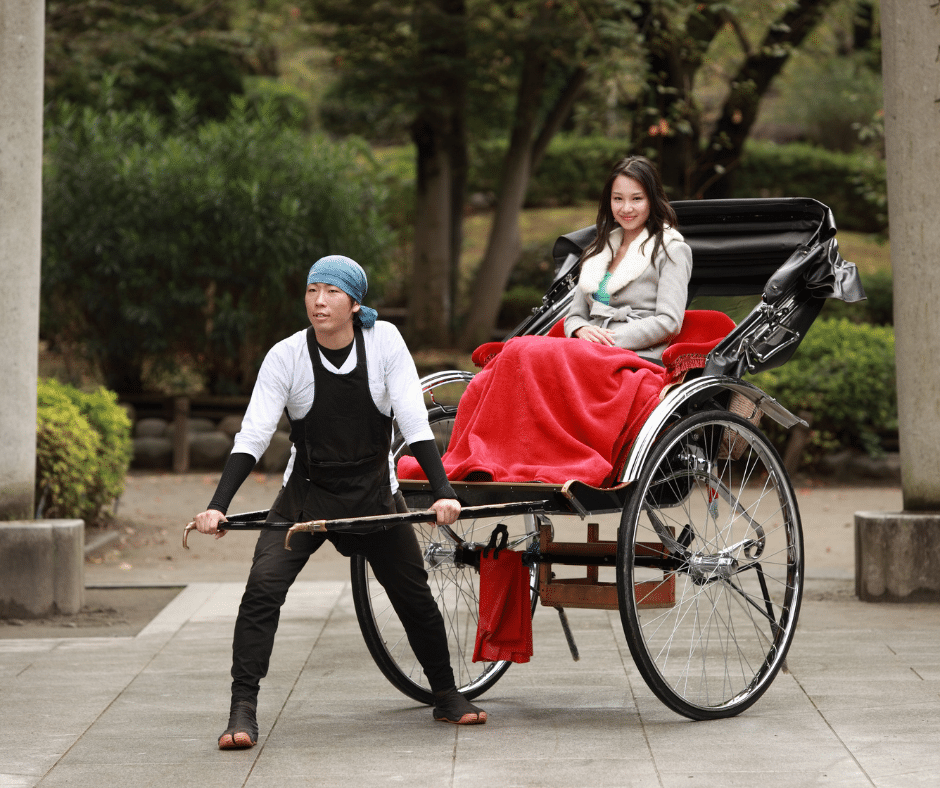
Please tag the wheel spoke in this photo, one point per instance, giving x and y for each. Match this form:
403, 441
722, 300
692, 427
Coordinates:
454, 586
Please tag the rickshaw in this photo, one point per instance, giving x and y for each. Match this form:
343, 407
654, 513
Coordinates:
707, 559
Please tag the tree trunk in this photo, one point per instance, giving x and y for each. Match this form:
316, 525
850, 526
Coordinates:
504, 244
502, 252
525, 153
429, 289
439, 135
457, 154
667, 126
726, 144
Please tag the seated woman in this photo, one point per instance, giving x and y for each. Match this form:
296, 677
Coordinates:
552, 409
635, 276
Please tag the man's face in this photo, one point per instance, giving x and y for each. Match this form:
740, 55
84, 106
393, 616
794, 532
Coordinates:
329, 309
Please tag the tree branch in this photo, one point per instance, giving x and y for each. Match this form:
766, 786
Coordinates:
724, 147
558, 114
739, 33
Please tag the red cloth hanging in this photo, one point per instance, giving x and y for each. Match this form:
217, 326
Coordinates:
504, 628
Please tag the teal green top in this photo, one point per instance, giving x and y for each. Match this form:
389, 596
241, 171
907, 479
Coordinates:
602, 295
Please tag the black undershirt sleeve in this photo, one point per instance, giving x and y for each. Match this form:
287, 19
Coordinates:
237, 468
429, 458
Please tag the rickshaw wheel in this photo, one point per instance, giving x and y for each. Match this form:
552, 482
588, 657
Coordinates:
456, 587
710, 566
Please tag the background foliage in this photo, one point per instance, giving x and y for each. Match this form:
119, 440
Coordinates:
573, 171
177, 229
844, 375
190, 242
148, 51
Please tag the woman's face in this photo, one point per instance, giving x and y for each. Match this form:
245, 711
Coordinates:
630, 205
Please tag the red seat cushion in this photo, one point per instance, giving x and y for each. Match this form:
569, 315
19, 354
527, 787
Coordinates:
699, 326
702, 329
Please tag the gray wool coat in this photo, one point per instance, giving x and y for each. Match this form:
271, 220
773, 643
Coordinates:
644, 313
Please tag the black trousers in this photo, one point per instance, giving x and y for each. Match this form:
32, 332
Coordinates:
397, 564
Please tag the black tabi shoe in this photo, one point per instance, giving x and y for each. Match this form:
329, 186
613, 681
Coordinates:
451, 706
242, 731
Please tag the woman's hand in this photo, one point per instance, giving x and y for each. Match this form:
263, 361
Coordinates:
208, 523
447, 509
603, 336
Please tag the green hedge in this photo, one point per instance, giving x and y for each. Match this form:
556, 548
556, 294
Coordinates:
844, 375
83, 451
573, 170
877, 308
852, 185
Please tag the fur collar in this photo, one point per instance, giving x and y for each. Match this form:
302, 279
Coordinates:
634, 262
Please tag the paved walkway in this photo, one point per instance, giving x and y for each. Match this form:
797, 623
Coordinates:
859, 707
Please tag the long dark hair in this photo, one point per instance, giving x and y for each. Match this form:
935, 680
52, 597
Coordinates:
644, 171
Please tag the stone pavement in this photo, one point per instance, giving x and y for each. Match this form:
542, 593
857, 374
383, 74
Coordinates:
859, 707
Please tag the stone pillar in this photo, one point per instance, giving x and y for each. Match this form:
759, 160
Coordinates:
911, 72
21, 74
41, 562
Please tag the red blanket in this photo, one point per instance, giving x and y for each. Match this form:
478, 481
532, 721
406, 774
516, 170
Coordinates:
549, 410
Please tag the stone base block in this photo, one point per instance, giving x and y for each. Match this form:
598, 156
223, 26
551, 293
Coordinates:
42, 568
897, 556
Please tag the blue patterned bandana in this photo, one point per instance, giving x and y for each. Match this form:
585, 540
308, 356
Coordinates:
348, 276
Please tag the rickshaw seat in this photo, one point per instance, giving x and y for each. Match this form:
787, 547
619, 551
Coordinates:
512, 404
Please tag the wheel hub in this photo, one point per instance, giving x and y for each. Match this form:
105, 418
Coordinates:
438, 554
705, 569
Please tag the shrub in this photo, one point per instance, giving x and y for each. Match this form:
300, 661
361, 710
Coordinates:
573, 170
83, 451
831, 117
193, 243
530, 278
844, 375
290, 104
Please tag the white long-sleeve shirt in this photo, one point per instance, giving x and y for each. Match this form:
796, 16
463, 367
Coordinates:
285, 380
